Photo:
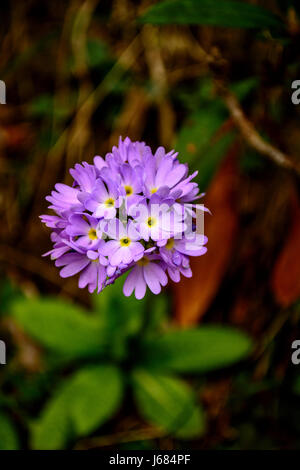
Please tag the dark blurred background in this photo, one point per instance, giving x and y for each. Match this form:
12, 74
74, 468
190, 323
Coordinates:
212, 81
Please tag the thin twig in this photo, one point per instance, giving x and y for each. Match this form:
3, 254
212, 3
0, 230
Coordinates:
251, 135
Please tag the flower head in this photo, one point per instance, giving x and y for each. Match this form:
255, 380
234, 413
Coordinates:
130, 211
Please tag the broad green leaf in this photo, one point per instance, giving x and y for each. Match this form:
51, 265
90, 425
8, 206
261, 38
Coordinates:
225, 13
168, 403
196, 350
118, 312
52, 430
60, 326
96, 395
82, 404
196, 145
8, 435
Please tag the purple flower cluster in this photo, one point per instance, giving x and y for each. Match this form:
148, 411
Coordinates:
130, 211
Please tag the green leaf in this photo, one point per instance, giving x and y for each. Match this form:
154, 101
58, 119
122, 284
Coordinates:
119, 313
96, 394
196, 145
196, 350
225, 13
52, 430
8, 435
61, 326
78, 407
168, 403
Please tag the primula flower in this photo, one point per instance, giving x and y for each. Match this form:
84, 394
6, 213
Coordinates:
124, 247
82, 228
104, 199
131, 211
145, 273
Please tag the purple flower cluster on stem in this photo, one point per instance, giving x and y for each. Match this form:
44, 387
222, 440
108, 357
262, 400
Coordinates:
130, 211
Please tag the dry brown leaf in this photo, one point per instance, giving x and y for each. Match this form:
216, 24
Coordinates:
285, 281
193, 296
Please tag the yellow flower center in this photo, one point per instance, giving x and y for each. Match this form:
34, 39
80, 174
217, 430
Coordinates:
151, 221
110, 202
143, 262
128, 190
170, 243
125, 241
92, 234
153, 190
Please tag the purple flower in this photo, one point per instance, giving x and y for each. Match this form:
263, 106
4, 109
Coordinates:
64, 198
104, 200
145, 273
91, 267
123, 248
167, 173
59, 247
174, 251
156, 219
85, 176
129, 211
83, 230
174, 273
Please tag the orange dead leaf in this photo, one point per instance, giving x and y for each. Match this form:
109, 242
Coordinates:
285, 281
193, 296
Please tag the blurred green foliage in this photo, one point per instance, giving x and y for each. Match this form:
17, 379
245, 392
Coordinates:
226, 13
8, 435
119, 345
